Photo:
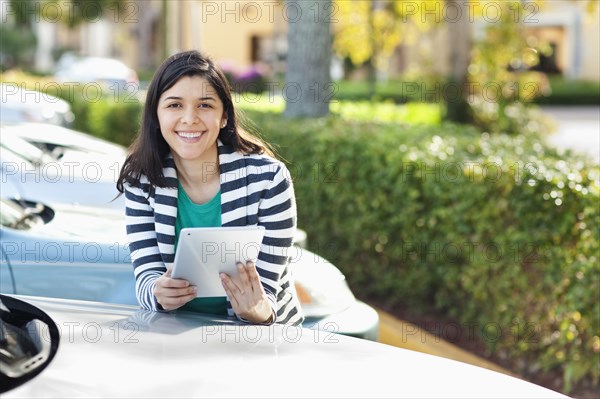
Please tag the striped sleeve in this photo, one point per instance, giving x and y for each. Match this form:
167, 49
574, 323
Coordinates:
147, 261
277, 213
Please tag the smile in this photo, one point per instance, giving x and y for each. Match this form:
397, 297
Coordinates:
189, 135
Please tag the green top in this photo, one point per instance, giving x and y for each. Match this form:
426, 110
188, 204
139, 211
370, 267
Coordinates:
190, 214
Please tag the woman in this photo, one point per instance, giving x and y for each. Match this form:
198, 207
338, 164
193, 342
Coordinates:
193, 166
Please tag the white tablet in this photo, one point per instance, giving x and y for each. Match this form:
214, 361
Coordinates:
204, 252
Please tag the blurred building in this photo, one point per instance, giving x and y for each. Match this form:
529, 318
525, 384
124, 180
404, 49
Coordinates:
247, 32
237, 34
566, 25
144, 32
243, 33
574, 35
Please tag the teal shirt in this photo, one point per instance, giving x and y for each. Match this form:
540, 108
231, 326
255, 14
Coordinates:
190, 214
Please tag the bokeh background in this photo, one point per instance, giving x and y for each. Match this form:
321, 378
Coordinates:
445, 153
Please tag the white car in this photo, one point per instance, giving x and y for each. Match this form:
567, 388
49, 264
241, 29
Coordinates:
63, 348
114, 76
60, 175
19, 105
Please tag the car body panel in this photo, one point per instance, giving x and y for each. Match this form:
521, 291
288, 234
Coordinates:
352, 321
120, 351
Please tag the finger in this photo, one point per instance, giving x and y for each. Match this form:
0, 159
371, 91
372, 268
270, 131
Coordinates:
245, 284
174, 283
227, 283
254, 278
167, 292
168, 272
173, 299
230, 284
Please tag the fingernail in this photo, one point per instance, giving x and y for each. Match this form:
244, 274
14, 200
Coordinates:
222, 275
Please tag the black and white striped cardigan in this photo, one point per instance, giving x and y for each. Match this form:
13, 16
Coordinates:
255, 190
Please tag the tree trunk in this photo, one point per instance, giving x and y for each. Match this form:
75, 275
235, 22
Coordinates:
460, 44
308, 87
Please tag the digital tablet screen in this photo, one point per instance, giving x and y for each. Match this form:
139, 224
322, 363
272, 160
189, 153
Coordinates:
204, 252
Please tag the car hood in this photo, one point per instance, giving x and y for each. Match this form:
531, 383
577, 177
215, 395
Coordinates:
87, 167
121, 351
91, 224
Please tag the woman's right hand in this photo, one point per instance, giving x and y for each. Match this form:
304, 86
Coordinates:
173, 293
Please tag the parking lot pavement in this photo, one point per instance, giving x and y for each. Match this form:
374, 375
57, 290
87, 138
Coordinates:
578, 129
402, 334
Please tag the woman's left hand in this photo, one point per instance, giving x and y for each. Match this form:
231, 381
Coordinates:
247, 295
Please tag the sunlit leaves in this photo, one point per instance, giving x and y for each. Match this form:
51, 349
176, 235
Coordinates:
75, 12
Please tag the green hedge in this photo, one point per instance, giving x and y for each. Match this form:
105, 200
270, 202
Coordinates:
571, 92
498, 231
105, 113
398, 91
562, 91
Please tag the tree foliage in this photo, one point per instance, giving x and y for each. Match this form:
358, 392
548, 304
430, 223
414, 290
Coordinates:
73, 13
495, 72
370, 31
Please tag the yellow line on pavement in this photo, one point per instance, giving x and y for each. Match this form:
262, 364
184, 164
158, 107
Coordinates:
408, 336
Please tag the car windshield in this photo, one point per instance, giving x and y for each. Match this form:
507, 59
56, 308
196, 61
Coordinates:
22, 149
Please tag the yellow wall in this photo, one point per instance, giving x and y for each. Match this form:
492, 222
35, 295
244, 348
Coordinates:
225, 29
590, 68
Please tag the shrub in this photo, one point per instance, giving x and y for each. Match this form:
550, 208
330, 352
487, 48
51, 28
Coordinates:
118, 121
496, 230
411, 113
512, 118
571, 92
100, 111
18, 46
486, 106
423, 89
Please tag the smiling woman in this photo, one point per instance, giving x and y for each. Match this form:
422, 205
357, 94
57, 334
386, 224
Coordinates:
193, 166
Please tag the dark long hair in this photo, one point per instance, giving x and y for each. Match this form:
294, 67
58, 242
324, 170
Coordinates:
149, 150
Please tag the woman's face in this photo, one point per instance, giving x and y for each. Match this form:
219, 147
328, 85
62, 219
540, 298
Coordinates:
190, 115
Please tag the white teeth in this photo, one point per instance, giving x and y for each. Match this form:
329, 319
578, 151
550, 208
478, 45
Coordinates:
189, 135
